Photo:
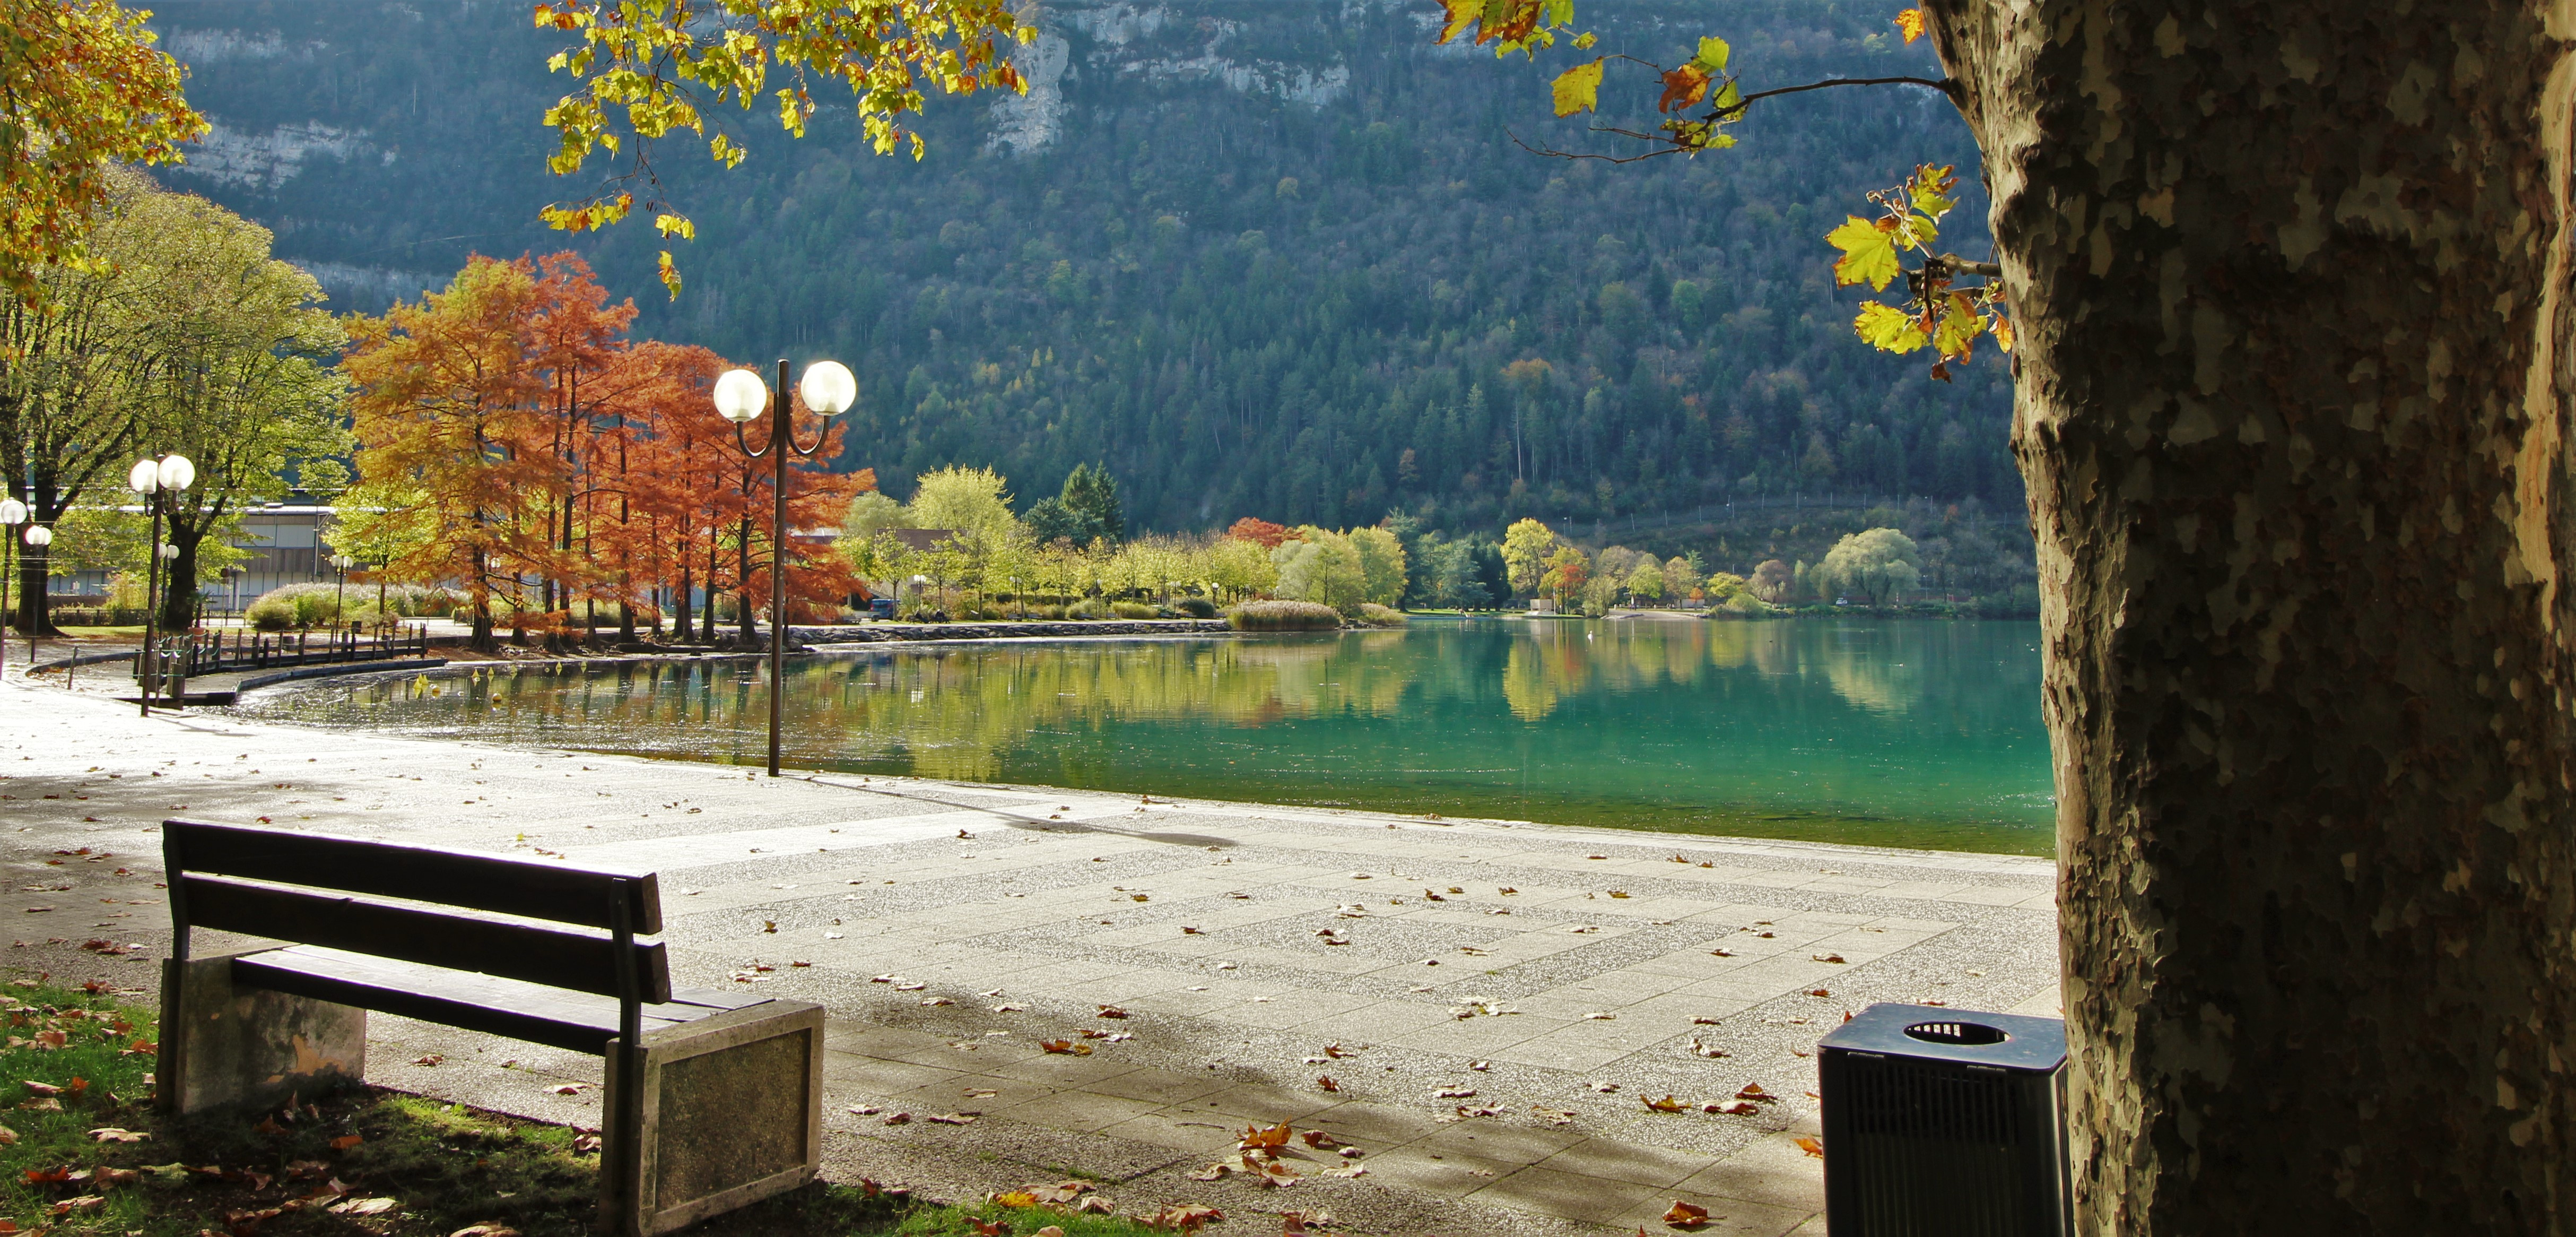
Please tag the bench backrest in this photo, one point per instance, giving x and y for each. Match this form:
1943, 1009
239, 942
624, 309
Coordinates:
211, 868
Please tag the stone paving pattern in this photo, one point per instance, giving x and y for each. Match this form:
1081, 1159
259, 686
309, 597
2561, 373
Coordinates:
1563, 976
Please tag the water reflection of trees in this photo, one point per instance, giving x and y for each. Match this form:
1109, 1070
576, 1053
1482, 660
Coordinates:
959, 711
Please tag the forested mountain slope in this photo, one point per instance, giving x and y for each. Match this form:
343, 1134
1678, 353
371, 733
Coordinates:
1275, 258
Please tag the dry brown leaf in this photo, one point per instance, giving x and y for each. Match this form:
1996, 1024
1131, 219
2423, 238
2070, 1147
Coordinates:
1456, 1093
1014, 1198
1326, 1082
1818, 992
1618, 893
1666, 1104
1111, 1011
1256, 1138
1732, 1108
1754, 1091
1320, 1140
900, 1118
1066, 1047
111, 1134
1812, 1146
1213, 1172
1184, 1219
363, 1207
1686, 1215
952, 1118
431, 1059
1835, 958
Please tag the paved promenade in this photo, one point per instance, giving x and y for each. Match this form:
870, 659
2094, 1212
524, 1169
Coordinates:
1494, 1004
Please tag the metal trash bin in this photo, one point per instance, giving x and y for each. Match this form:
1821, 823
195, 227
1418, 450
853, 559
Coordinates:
1945, 1123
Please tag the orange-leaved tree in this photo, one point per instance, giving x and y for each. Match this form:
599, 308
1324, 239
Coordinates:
448, 400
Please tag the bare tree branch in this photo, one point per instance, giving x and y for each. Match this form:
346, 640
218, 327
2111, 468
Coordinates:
1947, 88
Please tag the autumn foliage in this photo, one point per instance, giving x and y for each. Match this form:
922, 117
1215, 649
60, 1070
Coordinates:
1261, 532
567, 471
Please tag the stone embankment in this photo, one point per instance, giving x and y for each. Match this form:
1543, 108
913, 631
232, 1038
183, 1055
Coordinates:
872, 633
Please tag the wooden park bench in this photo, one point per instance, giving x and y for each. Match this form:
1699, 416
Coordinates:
729, 1107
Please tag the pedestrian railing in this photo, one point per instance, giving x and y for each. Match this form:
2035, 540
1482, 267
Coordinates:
215, 652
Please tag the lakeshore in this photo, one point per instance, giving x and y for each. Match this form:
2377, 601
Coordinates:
1058, 902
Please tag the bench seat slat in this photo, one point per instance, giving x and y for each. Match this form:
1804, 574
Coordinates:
552, 957
501, 884
576, 1022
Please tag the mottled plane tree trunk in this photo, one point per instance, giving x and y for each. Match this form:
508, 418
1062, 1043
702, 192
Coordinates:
2292, 400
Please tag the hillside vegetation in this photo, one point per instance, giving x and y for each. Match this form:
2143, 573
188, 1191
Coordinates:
1278, 258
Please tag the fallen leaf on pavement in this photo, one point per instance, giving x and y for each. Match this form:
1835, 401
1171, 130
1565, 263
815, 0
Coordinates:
1184, 1219
1686, 1215
1666, 1104
1812, 1146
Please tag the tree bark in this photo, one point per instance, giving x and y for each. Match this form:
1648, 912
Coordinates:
2292, 281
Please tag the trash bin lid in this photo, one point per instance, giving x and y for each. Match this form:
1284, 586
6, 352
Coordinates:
1938, 1033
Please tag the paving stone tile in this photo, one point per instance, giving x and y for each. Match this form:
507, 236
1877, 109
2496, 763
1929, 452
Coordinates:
1444, 1174
1727, 1217
1497, 1139
1183, 1132
1635, 1163
1567, 1196
1079, 1111
1773, 1172
1156, 1086
1251, 1102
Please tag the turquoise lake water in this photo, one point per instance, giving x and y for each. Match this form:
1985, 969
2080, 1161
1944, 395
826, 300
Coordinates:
1895, 733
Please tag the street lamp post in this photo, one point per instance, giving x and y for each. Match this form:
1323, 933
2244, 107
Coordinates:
12, 514
155, 480
828, 388
340, 565
38, 537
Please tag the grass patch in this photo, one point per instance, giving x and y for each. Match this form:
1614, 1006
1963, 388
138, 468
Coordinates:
86, 1154
1283, 616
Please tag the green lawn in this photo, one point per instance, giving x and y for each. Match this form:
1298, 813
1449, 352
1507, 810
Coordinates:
83, 1153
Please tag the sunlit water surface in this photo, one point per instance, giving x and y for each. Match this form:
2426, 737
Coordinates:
1897, 733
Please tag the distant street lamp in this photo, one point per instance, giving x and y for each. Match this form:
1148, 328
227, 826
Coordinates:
157, 480
341, 563
37, 538
828, 388
12, 514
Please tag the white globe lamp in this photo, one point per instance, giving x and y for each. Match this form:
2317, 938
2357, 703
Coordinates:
740, 396
828, 387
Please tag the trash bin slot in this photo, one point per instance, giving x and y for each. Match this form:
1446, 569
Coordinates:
1970, 1034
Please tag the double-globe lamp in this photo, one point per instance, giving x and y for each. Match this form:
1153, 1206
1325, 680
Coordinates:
12, 514
828, 388
156, 480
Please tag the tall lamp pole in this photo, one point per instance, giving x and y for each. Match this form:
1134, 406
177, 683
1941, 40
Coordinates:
828, 388
155, 480
12, 514
340, 564
38, 537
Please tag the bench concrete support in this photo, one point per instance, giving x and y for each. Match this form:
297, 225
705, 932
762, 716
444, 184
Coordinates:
730, 1111
223, 1046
